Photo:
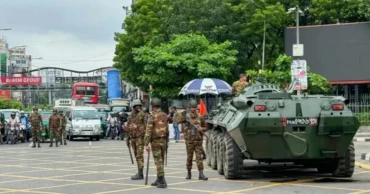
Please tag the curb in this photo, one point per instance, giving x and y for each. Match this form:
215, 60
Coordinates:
365, 156
362, 139
362, 135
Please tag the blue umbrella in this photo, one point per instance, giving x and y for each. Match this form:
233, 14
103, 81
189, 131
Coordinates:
206, 86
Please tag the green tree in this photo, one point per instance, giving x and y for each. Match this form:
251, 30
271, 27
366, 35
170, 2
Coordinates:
169, 66
281, 76
141, 26
10, 104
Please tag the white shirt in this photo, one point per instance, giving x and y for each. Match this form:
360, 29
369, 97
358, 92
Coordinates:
13, 122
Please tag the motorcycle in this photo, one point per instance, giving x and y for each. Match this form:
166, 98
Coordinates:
113, 131
22, 133
122, 132
11, 134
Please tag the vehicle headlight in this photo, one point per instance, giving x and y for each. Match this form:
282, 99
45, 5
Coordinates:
76, 127
97, 126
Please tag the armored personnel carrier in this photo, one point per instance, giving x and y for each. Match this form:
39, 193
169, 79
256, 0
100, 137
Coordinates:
266, 124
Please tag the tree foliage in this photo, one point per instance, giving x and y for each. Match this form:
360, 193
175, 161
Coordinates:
281, 76
10, 104
168, 66
237, 23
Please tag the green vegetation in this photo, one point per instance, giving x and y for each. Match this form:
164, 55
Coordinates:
10, 104
233, 24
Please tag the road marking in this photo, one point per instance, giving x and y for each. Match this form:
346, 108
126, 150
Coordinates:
362, 165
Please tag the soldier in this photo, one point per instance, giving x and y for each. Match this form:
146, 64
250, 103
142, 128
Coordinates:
63, 132
157, 135
36, 123
55, 126
194, 139
135, 133
239, 85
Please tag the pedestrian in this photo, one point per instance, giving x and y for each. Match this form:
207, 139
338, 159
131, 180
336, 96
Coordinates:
238, 86
55, 126
36, 125
135, 135
175, 124
194, 139
157, 135
203, 152
63, 133
2, 127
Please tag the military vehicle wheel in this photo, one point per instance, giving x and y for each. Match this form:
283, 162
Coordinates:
208, 148
214, 149
346, 166
233, 159
220, 154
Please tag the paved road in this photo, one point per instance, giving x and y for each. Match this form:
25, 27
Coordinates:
104, 167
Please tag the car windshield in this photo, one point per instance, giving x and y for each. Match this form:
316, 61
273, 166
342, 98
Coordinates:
120, 109
6, 114
85, 114
103, 114
45, 116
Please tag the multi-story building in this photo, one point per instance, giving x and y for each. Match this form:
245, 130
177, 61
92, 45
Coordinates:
3, 56
19, 62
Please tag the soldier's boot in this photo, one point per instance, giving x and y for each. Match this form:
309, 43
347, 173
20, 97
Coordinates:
38, 144
156, 182
51, 144
162, 182
201, 176
189, 175
138, 176
65, 142
34, 144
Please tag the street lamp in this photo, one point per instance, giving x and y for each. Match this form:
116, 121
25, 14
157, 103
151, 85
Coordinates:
297, 48
264, 36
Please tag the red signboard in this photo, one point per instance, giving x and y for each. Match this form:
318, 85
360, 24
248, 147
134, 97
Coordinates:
5, 94
30, 80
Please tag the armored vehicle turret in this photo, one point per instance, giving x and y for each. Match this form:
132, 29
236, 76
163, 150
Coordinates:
266, 124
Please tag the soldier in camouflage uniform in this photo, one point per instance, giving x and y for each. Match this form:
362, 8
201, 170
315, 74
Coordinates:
239, 85
157, 135
135, 133
63, 132
55, 126
36, 124
194, 138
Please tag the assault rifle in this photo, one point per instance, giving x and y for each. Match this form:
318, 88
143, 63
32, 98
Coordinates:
193, 127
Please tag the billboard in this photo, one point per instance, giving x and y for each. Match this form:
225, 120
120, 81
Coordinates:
3, 59
5, 94
26, 80
339, 52
70, 80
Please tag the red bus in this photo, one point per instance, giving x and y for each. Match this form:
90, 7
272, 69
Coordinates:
89, 92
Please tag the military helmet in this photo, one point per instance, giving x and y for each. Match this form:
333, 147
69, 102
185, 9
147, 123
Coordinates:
136, 103
193, 104
60, 111
55, 110
35, 108
156, 102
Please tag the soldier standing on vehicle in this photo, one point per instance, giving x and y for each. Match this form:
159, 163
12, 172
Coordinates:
157, 135
239, 85
194, 139
55, 125
135, 134
63, 133
36, 124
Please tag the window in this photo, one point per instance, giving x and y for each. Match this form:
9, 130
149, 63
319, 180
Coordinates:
82, 90
85, 114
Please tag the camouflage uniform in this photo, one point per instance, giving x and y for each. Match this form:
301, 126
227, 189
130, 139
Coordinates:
55, 125
238, 87
136, 132
36, 123
193, 140
157, 135
63, 132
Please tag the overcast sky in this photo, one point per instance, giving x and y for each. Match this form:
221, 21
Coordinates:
72, 34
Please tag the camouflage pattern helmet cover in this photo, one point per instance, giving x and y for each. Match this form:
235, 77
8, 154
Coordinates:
35, 108
193, 104
136, 103
60, 111
156, 102
55, 110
